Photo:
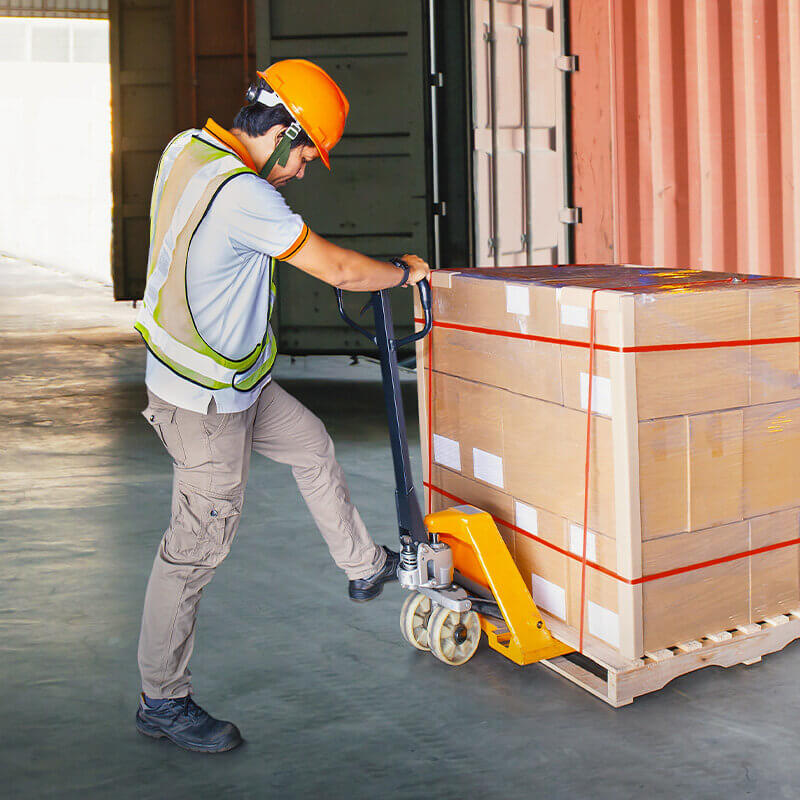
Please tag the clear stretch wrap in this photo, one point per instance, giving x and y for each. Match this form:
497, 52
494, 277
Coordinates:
670, 512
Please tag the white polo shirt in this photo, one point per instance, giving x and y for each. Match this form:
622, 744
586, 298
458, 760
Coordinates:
227, 277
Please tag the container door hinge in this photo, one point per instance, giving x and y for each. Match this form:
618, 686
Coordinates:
567, 63
436, 80
570, 216
491, 243
440, 209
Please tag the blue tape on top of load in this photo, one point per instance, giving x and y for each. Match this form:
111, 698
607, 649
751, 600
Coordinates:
611, 277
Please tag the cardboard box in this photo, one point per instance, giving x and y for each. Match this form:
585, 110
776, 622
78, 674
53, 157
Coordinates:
771, 448
774, 368
695, 435
774, 574
704, 601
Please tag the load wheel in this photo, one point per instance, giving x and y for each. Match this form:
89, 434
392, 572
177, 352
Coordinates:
454, 637
414, 617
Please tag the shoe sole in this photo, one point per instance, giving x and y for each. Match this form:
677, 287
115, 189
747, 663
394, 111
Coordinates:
157, 733
387, 579
367, 599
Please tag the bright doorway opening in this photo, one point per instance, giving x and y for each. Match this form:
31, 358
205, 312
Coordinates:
55, 144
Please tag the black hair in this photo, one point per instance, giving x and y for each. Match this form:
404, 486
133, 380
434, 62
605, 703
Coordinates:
256, 119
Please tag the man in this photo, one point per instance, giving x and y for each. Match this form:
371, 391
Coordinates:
217, 225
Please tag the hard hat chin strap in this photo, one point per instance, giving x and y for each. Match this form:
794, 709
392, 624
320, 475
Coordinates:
280, 155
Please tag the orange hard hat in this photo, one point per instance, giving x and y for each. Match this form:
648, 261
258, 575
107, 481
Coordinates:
313, 99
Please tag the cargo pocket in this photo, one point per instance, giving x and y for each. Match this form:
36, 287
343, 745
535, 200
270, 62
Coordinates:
215, 424
163, 423
203, 526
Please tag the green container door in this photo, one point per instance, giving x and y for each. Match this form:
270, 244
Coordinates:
376, 199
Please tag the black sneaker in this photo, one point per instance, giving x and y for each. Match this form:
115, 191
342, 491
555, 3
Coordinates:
185, 724
365, 589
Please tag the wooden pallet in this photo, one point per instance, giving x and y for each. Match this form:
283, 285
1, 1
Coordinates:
620, 684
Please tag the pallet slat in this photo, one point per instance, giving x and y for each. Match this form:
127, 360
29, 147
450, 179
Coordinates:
720, 636
659, 655
624, 683
749, 628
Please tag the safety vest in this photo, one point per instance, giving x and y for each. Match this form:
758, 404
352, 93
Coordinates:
190, 175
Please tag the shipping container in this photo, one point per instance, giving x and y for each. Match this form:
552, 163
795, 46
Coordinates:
685, 133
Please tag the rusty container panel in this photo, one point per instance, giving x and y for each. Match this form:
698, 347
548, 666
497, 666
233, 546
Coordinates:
214, 59
686, 133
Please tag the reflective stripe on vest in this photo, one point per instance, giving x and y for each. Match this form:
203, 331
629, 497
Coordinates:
190, 174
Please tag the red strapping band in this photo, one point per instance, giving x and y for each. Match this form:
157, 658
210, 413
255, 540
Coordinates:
644, 348
592, 348
611, 574
430, 407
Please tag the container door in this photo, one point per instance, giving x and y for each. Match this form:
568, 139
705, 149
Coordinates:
173, 64
376, 197
519, 130
142, 122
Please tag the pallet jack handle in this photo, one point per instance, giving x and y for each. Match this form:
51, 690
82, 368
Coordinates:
425, 300
409, 512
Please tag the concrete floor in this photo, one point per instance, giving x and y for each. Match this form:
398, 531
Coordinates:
331, 701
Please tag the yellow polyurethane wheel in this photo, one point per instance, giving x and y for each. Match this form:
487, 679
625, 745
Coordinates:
414, 616
452, 636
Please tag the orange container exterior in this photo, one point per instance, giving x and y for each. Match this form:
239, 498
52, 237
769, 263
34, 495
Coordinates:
686, 133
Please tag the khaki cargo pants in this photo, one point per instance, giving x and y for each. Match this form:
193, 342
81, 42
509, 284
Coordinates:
211, 457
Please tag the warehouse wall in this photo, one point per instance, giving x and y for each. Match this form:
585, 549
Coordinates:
686, 132
79, 9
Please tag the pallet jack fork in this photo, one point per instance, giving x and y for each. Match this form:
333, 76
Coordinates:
454, 563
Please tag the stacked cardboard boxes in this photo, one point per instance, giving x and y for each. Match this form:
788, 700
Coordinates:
693, 453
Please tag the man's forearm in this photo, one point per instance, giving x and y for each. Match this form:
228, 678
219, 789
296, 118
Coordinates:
360, 273
348, 269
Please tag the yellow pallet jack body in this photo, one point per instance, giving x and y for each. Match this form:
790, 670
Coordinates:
481, 556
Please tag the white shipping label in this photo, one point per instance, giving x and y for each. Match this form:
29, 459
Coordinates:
576, 316
487, 467
446, 452
526, 517
603, 624
549, 596
576, 542
601, 394
518, 300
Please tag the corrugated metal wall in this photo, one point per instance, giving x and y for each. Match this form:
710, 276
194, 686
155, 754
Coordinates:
686, 133
54, 8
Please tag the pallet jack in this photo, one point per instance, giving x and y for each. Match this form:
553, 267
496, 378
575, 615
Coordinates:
455, 565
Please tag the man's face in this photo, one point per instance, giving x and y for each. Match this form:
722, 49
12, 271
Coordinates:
299, 158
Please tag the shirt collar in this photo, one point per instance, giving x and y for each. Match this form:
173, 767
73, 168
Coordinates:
229, 140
